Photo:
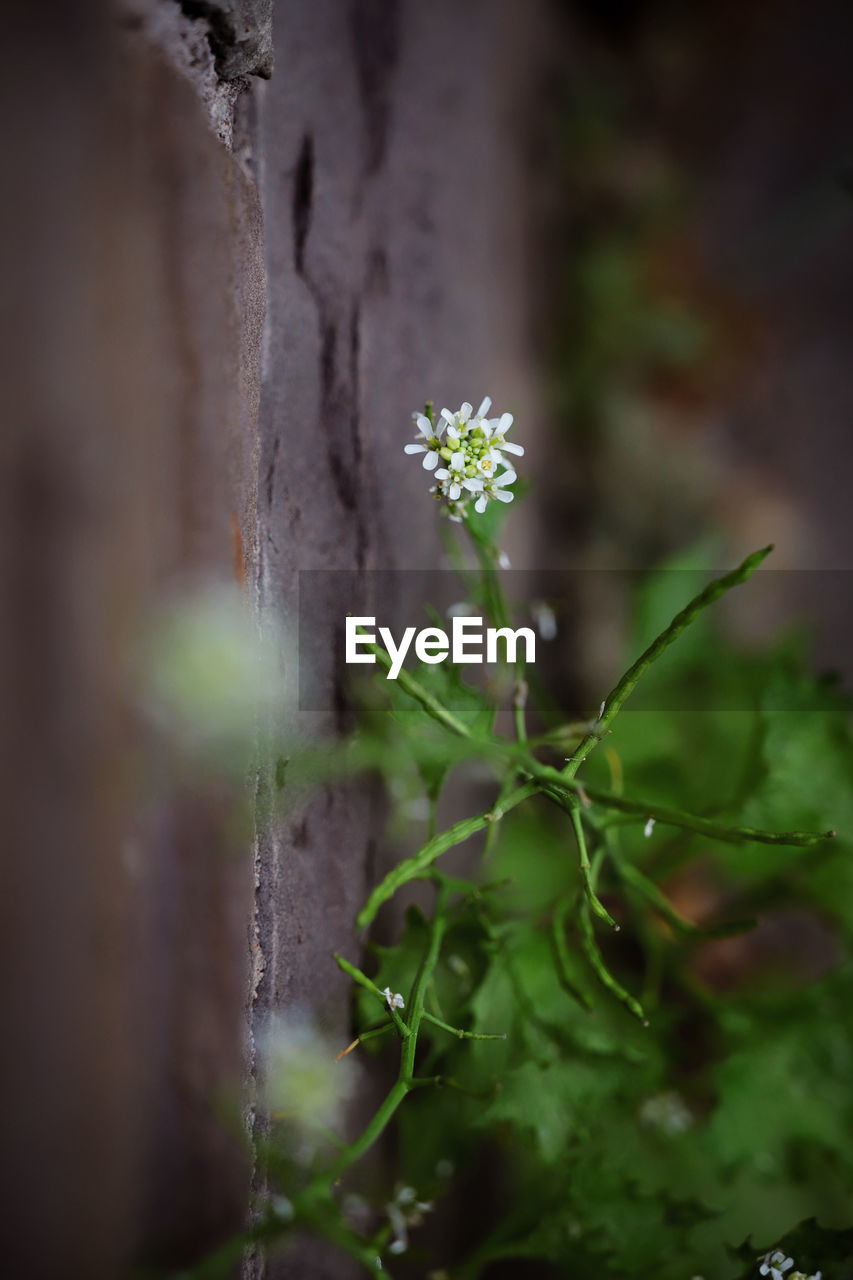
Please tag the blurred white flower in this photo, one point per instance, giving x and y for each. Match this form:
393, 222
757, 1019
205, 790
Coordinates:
208, 671
649, 828
461, 609
667, 1112
304, 1087
405, 1211
393, 1000
545, 619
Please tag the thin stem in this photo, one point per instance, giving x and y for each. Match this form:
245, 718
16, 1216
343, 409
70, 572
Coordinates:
647, 888
600, 969
373, 1129
364, 981
600, 910
458, 1032
623, 689
564, 967
415, 690
370, 1034
555, 783
413, 868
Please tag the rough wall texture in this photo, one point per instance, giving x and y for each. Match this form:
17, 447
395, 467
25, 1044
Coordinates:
132, 254
132, 466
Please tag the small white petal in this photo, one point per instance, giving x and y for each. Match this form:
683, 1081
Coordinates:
480, 504
424, 423
431, 460
505, 422
442, 474
465, 412
484, 407
509, 447
508, 477
455, 492
452, 433
546, 622
445, 413
457, 460
473, 486
503, 496
415, 448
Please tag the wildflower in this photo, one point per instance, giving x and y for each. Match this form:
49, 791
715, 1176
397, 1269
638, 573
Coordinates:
504, 561
431, 441
393, 1000
405, 1211
649, 828
471, 454
774, 1263
494, 489
454, 477
499, 427
545, 619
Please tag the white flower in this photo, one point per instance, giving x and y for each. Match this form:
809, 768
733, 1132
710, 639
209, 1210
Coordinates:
498, 428
431, 441
545, 619
494, 489
454, 477
304, 1088
467, 462
405, 1211
667, 1112
504, 561
393, 1000
649, 828
775, 1264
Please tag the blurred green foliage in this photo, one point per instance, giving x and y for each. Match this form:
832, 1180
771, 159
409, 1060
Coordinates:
599, 1145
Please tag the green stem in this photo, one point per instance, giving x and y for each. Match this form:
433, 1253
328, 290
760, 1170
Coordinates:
415, 690
660, 903
600, 968
412, 868
615, 699
554, 783
564, 967
364, 981
458, 1032
371, 1133
592, 898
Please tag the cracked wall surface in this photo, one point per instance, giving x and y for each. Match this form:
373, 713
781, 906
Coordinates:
161, 432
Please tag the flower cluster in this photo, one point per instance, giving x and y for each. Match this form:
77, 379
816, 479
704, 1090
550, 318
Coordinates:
775, 1264
472, 452
405, 1211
